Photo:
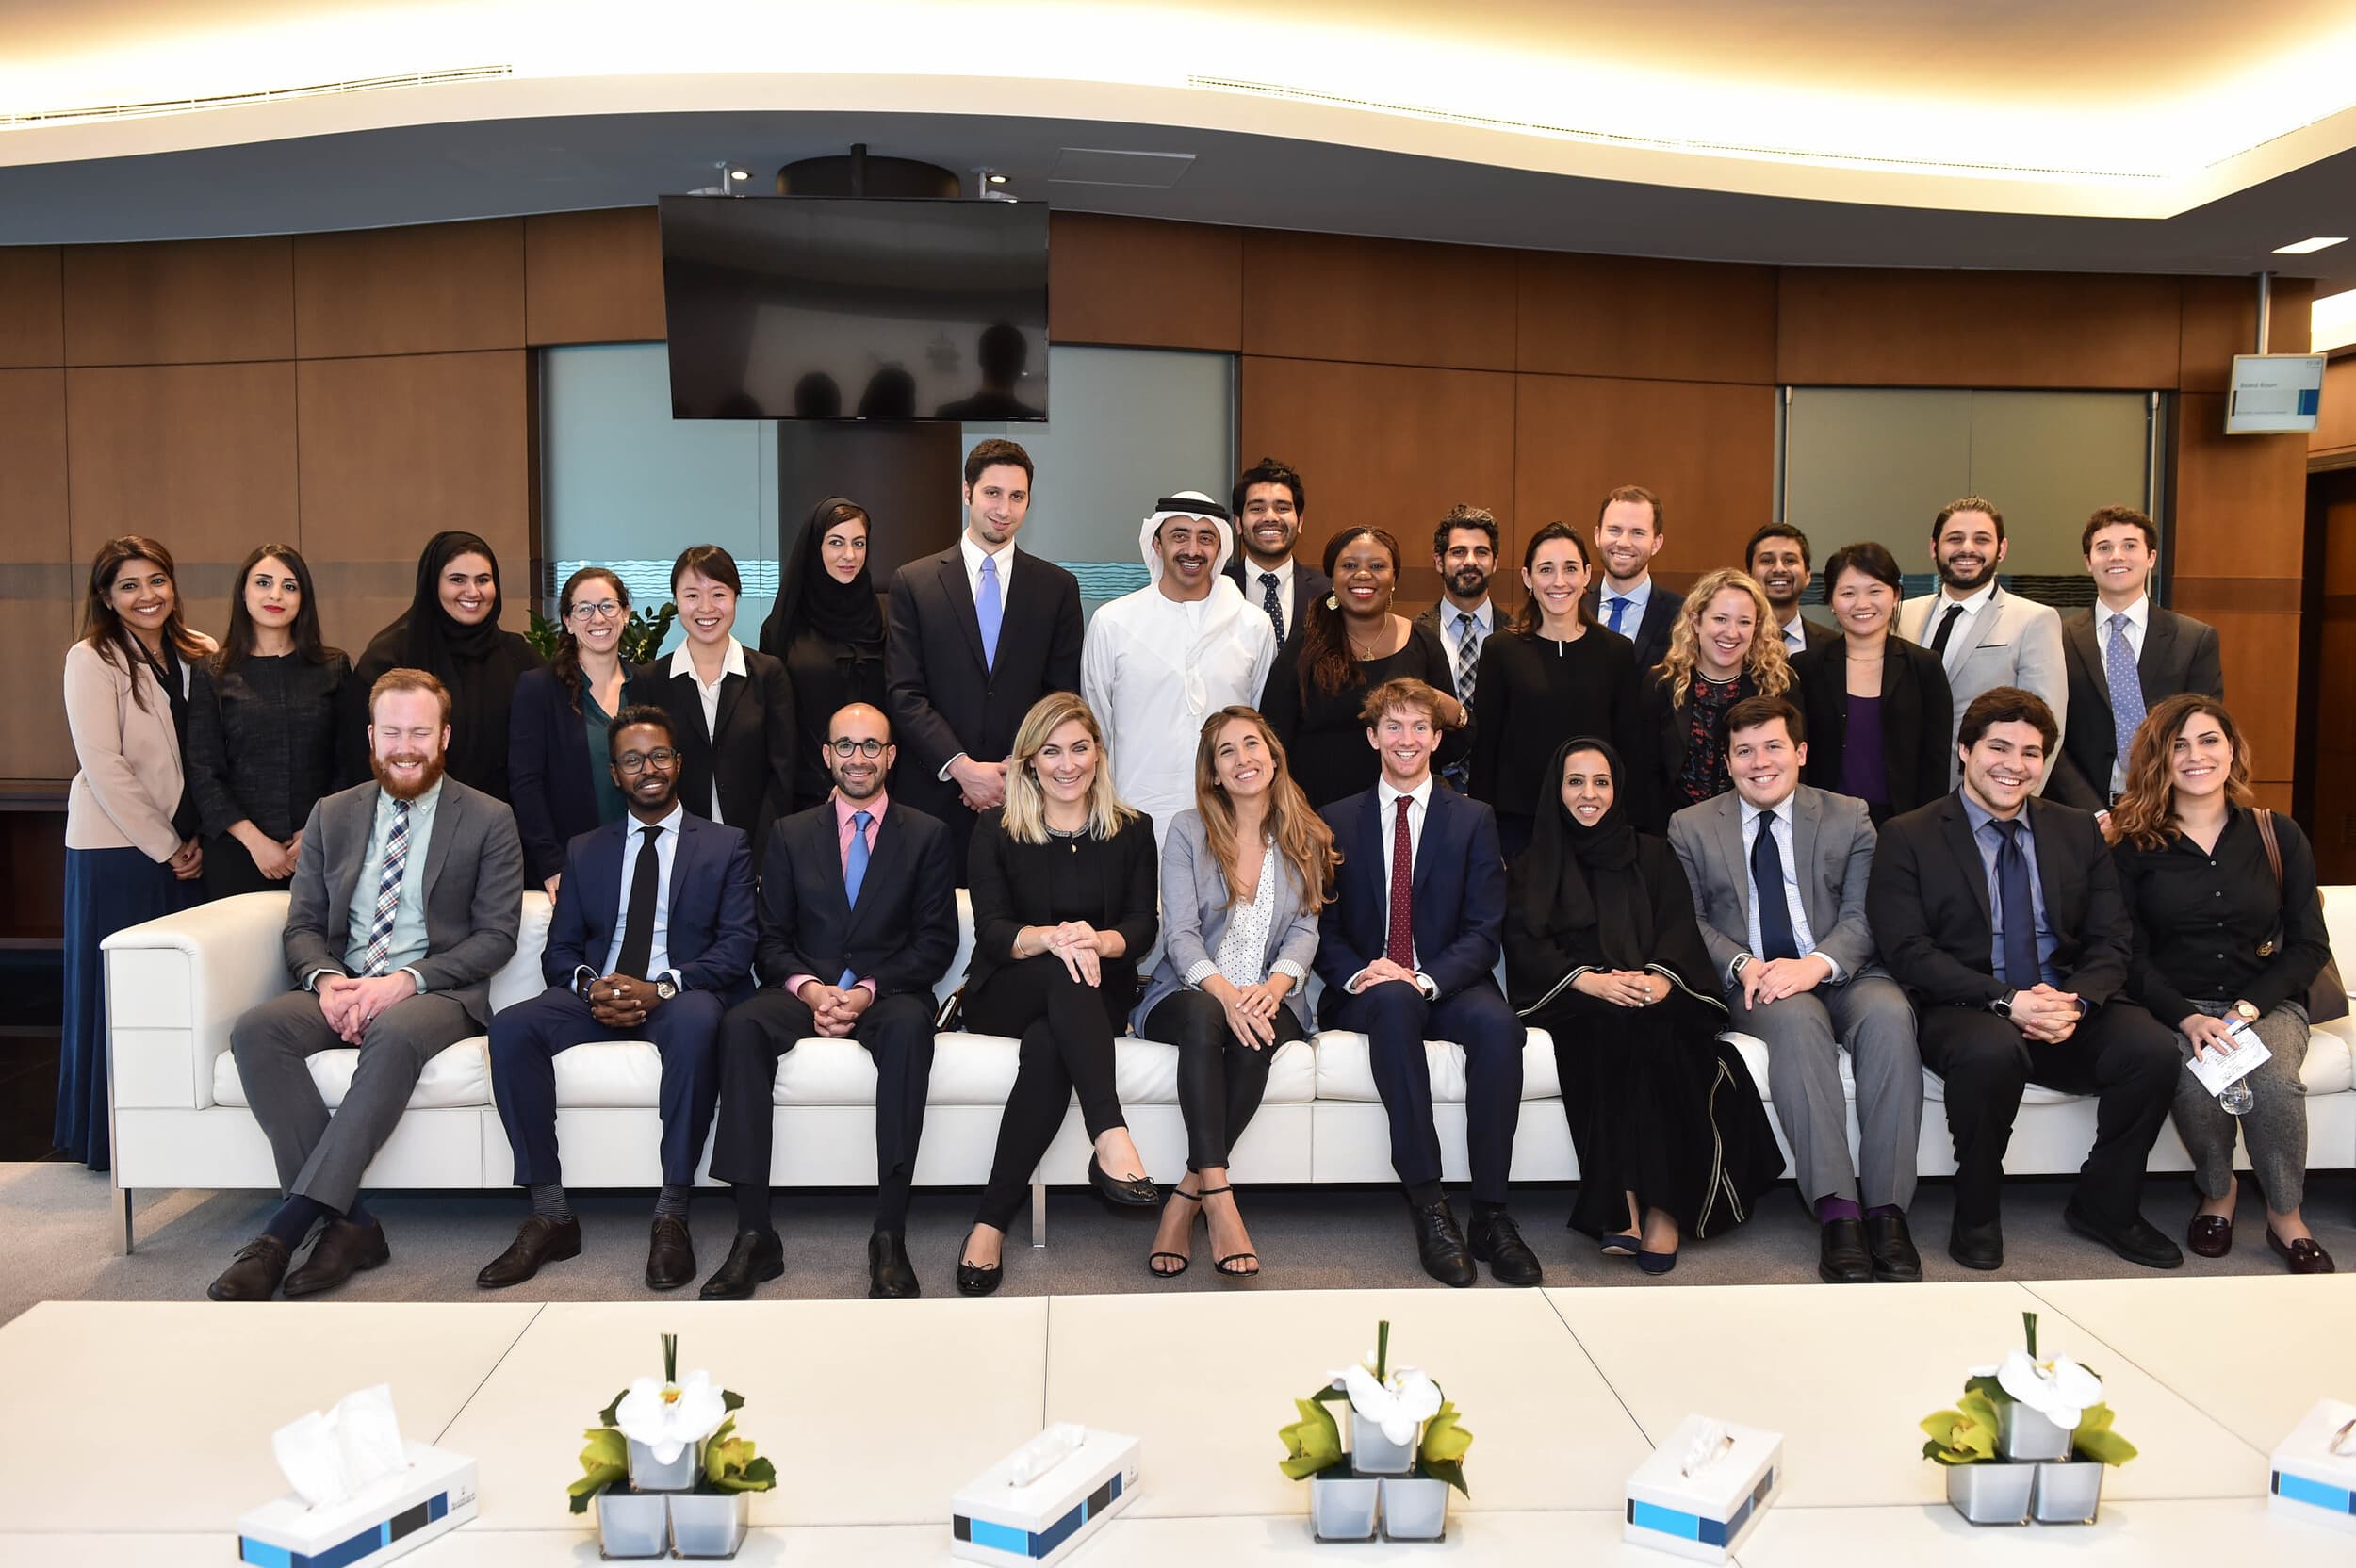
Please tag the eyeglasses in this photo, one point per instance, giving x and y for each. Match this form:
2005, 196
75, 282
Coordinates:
639, 761
604, 610
870, 749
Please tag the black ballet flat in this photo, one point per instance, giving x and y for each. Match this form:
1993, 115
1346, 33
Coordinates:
974, 1280
1136, 1192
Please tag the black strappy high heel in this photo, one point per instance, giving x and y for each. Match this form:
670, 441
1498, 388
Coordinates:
1183, 1260
1220, 1263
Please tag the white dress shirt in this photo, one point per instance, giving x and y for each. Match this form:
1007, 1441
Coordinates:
1803, 940
1387, 796
666, 855
1941, 604
683, 662
1795, 634
973, 554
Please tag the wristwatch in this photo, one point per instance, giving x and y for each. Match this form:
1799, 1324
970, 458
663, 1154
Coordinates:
2246, 1011
2002, 1006
665, 988
1742, 962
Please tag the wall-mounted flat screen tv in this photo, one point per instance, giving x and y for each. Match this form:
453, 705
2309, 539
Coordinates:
821, 307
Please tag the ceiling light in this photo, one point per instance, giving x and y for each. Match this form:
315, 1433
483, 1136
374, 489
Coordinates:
998, 179
740, 173
2308, 247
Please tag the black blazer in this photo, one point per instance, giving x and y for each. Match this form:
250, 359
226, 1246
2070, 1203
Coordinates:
751, 754
1651, 635
1917, 716
1309, 585
1928, 905
902, 933
1458, 910
944, 699
1011, 888
548, 769
1815, 634
2180, 655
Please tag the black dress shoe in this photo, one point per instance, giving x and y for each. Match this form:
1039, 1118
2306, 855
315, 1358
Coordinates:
1980, 1247
1895, 1261
343, 1249
753, 1257
2305, 1255
1441, 1246
2210, 1235
1496, 1242
1841, 1255
540, 1240
889, 1274
254, 1276
2138, 1240
670, 1254
1123, 1192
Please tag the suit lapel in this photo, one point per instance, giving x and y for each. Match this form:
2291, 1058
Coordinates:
882, 865
2050, 882
1738, 861
1370, 856
446, 812
1967, 853
2087, 648
959, 593
1808, 816
731, 689
1974, 632
691, 836
1443, 801
362, 822
2159, 638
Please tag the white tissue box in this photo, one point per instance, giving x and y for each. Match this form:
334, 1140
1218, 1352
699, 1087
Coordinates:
2310, 1482
393, 1515
1040, 1523
1706, 1515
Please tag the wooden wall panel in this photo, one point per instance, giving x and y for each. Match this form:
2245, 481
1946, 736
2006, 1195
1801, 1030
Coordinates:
181, 303
2220, 319
396, 449
1842, 326
2261, 655
1381, 302
2240, 500
1134, 280
593, 277
2334, 436
1638, 318
32, 313
1706, 449
40, 586
434, 289
1387, 445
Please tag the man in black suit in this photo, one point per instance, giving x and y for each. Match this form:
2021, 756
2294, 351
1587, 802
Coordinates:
2123, 659
1406, 950
974, 637
1778, 559
1465, 552
1629, 533
858, 918
2001, 914
1269, 506
651, 940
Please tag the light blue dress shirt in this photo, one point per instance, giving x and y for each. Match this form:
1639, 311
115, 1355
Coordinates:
409, 944
1990, 840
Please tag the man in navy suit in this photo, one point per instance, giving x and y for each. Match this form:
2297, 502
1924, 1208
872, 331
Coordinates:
1405, 950
651, 940
1629, 531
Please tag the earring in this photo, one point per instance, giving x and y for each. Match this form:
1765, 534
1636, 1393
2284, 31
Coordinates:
1332, 603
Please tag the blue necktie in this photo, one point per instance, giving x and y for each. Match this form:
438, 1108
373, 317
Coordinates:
1619, 608
2021, 969
1275, 611
989, 612
1775, 939
855, 872
2119, 665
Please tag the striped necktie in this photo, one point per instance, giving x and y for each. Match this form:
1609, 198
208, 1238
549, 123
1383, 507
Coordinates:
388, 891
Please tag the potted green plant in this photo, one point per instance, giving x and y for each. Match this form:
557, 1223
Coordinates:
2029, 1439
1406, 1448
665, 1468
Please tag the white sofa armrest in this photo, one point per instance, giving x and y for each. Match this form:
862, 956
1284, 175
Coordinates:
173, 988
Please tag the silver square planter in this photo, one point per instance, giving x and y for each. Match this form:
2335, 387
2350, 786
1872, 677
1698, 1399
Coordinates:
2021, 1433
2069, 1492
1415, 1508
710, 1524
1372, 1454
1342, 1505
1991, 1493
648, 1473
632, 1523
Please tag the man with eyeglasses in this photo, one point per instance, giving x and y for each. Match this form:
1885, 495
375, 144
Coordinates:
652, 940
858, 919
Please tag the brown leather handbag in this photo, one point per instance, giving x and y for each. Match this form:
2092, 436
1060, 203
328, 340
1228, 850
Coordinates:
2327, 999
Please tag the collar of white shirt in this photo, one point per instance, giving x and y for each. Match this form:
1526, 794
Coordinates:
1970, 606
2139, 614
669, 825
683, 661
1781, 810
974, 555
1388, 795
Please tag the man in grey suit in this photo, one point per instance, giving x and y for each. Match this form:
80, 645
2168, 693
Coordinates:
1984, 637
2124, 657
1801, 974
405, 901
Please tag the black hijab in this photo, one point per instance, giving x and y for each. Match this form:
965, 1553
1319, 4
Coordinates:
1574, 878
479, 665
842, 614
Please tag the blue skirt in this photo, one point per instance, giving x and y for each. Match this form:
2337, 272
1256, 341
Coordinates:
106, 891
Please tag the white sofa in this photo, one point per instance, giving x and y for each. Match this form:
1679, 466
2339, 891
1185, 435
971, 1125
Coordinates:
175, 985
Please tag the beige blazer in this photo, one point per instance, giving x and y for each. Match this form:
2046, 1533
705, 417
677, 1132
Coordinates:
130, 778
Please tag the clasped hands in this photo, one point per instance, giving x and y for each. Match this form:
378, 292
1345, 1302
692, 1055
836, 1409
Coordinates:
1766, 980
622, 1001
1251, 1010
2044, 1014
835, 1009
980, 785
351, 1004
1622, 987
1080, 945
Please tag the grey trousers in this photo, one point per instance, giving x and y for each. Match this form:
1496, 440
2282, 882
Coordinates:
2276, 1127
319, 1156
1870, 1014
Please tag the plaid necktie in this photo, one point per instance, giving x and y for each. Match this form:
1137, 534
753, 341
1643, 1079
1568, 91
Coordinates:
1467, 657
388, 891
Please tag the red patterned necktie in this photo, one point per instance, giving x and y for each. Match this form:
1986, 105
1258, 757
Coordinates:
1398, 946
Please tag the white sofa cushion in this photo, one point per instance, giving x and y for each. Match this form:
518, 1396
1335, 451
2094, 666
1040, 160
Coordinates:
978, 1070
1345, 1070
459, 1075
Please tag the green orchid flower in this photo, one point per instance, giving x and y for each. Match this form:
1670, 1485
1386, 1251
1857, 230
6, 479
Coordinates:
1311, 1443
1445, 1443
2095, 1440
1964, 1435
605, 1461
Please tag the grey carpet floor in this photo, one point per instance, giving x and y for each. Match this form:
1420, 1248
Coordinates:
57, 1222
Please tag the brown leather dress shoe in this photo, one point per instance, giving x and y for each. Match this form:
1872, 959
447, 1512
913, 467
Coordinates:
539, 1240
2305, 1255
670, 1255
254, 1277
2209, 1235
342, 1250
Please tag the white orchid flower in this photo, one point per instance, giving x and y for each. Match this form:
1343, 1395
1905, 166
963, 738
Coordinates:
670, 1417
1400, 1404
2055, 1387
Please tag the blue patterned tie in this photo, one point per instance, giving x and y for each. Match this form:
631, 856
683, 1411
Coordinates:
2021, 969
989, 612
1275, 611
854, 873
388, 891
2119, 665
1775, 939
1619, 608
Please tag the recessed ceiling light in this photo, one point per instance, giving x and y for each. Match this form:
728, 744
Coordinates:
998, 179
740, 174
2308, 247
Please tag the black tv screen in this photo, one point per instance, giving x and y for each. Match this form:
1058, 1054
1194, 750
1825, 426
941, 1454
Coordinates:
821, 307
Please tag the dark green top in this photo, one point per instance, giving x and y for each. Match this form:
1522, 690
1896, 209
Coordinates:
597, 722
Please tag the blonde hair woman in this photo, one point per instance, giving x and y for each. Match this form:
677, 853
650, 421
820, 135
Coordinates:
1243, 876
1723, 649
1062, 880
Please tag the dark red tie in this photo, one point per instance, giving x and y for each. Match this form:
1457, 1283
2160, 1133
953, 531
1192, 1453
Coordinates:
1400, 945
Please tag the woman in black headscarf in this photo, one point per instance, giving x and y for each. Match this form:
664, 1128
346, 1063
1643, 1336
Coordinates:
1603, 951
828, 628
451, 631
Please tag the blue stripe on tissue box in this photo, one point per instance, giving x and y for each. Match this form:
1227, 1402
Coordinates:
2298, 1488
1692, 1527
353, 1549
1015, 1542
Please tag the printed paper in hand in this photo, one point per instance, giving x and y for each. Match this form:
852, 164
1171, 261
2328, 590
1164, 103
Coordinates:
2216, 1070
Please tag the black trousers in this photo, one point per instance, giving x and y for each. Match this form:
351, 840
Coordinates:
1221, 1079
2121, 1053
897, 1031
1067, 1030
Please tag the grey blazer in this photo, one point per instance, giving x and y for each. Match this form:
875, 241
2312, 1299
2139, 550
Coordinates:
1832, 838
1194, 920
474, 890
2011, 642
